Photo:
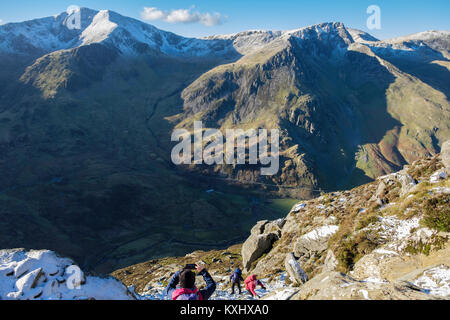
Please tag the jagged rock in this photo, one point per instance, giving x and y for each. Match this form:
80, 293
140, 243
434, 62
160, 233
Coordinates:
255, 246
275, 227
29, 281
330, 263
22, 268
380, 190
266, 226
262, 236
280, 223
445, 155
308, 247
295, 272
407, 183
48, 279
314, 242
386, 182
259, 227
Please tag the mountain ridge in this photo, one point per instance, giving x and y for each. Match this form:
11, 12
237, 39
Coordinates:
103, 23
85, 131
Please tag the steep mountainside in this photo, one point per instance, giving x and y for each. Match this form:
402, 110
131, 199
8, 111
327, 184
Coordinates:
331, 96
86, 118
384, 240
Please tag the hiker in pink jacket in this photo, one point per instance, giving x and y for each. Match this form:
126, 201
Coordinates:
250, 284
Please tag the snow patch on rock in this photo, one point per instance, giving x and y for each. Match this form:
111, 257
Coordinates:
43, 275
438, 176
322, 232
435, 281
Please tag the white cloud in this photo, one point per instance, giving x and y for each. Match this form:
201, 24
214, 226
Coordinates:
153, 14
1, 22
182, 16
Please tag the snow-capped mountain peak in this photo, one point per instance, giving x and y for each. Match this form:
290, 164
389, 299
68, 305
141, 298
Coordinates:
99, 30
130, 36
45, 35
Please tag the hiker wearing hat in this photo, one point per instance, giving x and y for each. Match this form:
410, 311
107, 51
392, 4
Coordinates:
236, 279
182, 286
250, 284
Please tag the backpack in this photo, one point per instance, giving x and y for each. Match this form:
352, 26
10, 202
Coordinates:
236, 275
187, 294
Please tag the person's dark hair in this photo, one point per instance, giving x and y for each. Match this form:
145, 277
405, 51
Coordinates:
187, 279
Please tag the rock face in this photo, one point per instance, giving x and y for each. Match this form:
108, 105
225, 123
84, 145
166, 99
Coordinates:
29, 275
314, 242
294, 270
390, 236
263, 235
255, 246
401, 177
392, 265
338, 286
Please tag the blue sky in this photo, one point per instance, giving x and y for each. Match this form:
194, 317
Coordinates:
398, 17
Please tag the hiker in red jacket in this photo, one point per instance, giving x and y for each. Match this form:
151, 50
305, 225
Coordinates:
250, 284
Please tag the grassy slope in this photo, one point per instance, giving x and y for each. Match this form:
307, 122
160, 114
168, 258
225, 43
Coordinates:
116, 199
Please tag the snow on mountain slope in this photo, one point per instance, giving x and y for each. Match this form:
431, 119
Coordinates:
361, 36
41, 274
50, 34
333, 35
41, 36
426, 35
424, 45
126, 33
45, 35
249, 41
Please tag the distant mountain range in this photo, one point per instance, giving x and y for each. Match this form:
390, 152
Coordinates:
86, 117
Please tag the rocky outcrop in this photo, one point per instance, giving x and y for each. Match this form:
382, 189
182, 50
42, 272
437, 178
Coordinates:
43, 275
338, 286
255, 246
262, 236
394, 266
266, 226
385, 243
390, 181
314, 242
294, 270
